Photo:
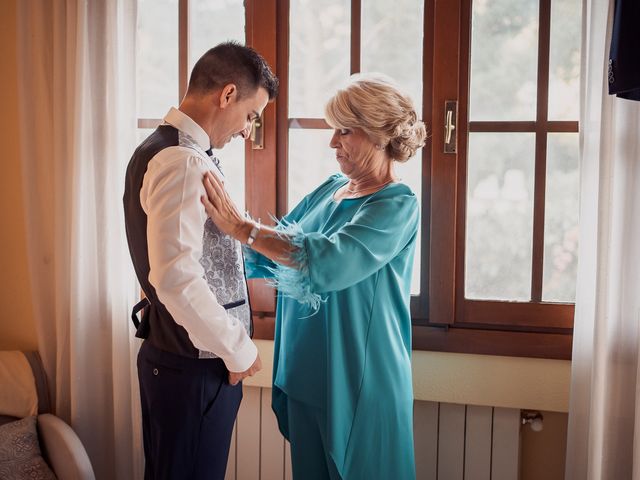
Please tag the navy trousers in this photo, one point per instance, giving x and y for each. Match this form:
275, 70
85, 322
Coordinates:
188, 412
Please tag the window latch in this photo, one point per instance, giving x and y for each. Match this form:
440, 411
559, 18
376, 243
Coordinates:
257, 133
450, 121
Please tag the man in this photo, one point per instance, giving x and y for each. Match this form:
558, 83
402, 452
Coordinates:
196, 321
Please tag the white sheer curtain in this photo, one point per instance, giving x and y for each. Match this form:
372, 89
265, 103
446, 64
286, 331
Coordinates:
604, 415
77, 93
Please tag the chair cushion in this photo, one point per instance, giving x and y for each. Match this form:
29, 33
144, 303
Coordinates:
7, 419
18, 394
20, 455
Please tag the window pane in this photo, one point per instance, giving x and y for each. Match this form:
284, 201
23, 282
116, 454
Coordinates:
499, 228
311, 161
392, 43
561, 218
157, 57
504, 58
564, 59
318, 53
232, 165
143, 133
212, 23
410, 173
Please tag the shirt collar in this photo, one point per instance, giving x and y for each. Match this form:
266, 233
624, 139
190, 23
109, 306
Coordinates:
186, 124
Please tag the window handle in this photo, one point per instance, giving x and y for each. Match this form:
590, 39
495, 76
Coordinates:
450, 120
257, 133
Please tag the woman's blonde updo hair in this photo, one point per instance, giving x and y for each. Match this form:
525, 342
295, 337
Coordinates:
374, 104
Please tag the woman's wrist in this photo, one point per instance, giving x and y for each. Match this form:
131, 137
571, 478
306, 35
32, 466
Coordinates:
250, 231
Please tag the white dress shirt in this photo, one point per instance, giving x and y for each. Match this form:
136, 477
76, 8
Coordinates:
170, 196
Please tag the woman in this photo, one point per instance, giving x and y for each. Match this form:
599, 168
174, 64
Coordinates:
342, 261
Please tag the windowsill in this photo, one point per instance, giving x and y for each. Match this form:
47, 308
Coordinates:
512, 382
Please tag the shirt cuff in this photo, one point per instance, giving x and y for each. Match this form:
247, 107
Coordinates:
242, 359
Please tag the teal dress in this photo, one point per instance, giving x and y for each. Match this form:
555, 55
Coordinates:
343, 325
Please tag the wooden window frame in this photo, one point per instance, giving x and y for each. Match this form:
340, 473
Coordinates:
419, 303
443, 320
260, 165
456, 324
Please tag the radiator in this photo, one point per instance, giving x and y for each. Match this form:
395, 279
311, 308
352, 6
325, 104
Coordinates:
452, 442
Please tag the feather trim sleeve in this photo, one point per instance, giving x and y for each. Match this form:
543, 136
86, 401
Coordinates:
295, 282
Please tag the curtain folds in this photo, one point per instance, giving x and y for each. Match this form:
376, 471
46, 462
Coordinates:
77, 101
604, 419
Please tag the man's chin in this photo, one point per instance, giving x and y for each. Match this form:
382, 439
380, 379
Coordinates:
223, 143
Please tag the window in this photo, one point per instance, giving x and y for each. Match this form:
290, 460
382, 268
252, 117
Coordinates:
496, 264
172, 35
325, 46
507, 264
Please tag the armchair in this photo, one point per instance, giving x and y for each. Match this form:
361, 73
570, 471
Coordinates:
23, 394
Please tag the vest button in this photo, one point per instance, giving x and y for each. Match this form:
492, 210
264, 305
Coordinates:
155, 371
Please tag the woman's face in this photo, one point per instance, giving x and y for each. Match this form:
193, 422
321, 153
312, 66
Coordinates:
355, 152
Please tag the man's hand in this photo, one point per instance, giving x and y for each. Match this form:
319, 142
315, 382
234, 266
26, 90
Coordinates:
235, 377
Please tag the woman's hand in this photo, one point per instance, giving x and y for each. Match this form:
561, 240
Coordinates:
223, 211
276, 246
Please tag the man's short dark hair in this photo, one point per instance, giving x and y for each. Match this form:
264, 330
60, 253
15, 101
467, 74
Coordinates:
231, 62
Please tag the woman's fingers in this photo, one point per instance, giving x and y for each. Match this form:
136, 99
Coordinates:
208, 206
212, 192
217, 202
215, 185
219, 206
211, 199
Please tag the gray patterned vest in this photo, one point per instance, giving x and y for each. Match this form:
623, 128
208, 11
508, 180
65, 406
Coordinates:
221, 256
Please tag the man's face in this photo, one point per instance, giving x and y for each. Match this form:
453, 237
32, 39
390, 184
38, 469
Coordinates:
237, 115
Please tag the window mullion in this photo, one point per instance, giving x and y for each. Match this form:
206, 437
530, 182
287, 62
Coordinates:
282, 105
444, 166
183, 47
356, 34
544, 32
260, 164
464, 127
149, 122
420, 303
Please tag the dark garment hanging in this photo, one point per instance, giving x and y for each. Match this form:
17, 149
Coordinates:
624, 55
